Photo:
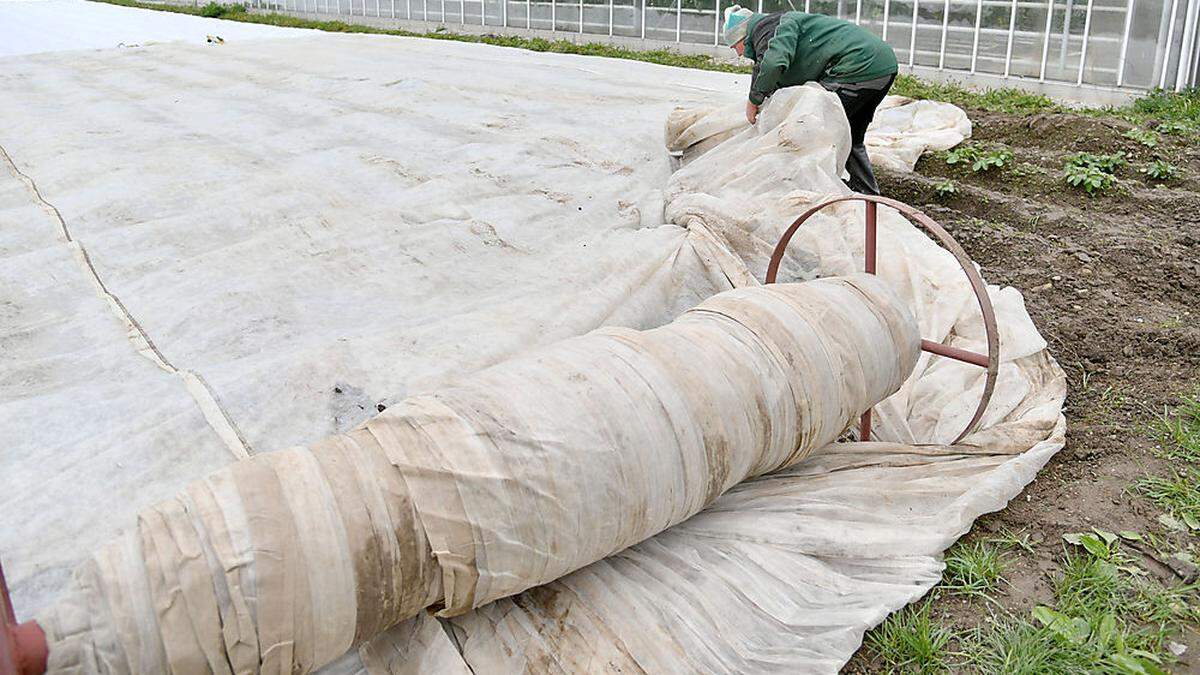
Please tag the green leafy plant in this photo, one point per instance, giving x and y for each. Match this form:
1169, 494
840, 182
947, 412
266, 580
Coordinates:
1144, 136
1094, 173
944, 189
979, 158
1160, 169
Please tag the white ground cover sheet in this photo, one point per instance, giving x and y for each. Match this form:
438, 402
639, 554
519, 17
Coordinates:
212, 252
38, 26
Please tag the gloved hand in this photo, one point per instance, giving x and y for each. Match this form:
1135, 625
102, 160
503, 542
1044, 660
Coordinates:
751, 112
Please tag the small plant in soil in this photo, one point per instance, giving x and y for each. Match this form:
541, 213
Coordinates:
1178, 494
1160, 169
1144, 136
1091, 172
1179, 431
945, 189
973, 569
909, 641
979, 158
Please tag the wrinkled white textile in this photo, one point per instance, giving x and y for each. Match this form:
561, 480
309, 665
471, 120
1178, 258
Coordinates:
306, 229
473, 493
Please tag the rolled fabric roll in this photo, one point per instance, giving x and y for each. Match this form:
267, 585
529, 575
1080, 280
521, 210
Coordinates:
532, 469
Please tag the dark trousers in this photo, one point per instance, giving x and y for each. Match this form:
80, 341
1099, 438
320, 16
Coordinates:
859, 100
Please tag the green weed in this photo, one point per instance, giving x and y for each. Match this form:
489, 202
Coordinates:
1178, 494
974, 569
1013, 540
910, 641
1179, 430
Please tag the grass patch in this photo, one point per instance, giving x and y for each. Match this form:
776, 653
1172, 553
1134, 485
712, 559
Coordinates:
974, 569
1167, 112
1179, 431
910, 641
1178, 494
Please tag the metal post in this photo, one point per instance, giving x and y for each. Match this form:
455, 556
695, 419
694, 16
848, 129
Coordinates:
857, 10
581, 17
1066, 35
912, 36
806, 6
1166, 46
504, 13
553, 15
945, 29
393, 9
610, 16
1185, 47
528, 13
1046, 44
643, 18
870, 241
1125, 42
1012, 31
717, 23
377, 14
975, 43
678, 19
1087, 27
887, 13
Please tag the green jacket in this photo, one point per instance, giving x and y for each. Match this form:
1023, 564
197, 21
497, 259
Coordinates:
791, 48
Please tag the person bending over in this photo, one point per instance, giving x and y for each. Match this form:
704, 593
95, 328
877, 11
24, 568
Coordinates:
792, 48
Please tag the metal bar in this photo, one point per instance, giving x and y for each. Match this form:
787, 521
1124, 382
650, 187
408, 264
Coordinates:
581, 18
973, 358
975, 42
1066, 34
870, 242
717, 23
887, 14
1125, 42
610, 17
643, 18
806, 6
760, 6
912, 37
1185, 47
1087, 27
393, 9
504, 13
678, 19
871, 238
1166, 46
1012, 31
857, 10
528, 12
945, 24
377, 14
1046, 44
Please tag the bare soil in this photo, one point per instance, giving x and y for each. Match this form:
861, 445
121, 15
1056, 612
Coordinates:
1111, 281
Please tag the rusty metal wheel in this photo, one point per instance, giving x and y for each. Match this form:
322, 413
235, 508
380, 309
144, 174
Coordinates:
989, 361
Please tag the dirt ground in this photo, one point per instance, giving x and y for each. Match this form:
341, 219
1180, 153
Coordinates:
1111, 281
